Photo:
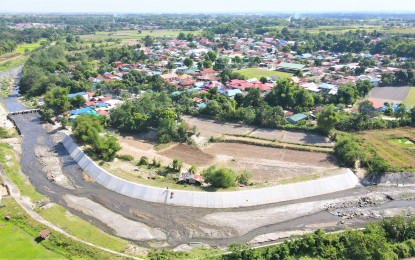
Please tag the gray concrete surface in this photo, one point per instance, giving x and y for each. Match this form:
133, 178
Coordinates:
246, 198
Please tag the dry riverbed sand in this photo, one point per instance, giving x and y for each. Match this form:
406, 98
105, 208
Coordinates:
123, 227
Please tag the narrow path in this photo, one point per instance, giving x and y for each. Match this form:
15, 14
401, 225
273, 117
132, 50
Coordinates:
15, 193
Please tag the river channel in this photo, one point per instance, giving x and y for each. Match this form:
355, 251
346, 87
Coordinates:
181, 224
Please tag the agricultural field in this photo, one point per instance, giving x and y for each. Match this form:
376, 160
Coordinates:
133, 34
391, 94
21, 48
17, 244
396, 146
259, 72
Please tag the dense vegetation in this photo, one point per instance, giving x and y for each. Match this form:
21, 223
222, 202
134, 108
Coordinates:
89, 130
10, 38
390, 239
151, 110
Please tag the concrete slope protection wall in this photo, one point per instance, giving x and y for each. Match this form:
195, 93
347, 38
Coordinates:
201, 199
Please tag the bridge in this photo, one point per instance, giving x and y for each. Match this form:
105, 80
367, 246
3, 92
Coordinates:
22, 112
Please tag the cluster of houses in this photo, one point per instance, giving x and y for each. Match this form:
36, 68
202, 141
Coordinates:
94, 105
267, 54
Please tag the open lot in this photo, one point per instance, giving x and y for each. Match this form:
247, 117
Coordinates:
396, 146
259, 72
208, 128
390, 94
268, 165
272, 165
292, 137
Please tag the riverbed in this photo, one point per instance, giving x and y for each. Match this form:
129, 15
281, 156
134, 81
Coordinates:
180, 224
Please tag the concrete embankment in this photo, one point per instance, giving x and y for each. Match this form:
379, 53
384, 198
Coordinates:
246, 198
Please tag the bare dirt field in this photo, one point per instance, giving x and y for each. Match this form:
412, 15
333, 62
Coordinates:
390, 94
208, 128
292, 137
272, 164
189, 154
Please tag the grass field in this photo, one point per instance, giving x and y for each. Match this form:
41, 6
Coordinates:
82, 229
17, 244
21, 48
410, 99
12, 63
258, 73
57, 214
133, 34
396, 146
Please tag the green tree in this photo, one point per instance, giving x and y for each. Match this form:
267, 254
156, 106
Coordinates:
219, 177
327, 119
57, 100
177, 165
148, 41
188, 62
83, 126
77, 101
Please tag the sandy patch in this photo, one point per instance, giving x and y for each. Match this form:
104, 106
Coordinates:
123, 227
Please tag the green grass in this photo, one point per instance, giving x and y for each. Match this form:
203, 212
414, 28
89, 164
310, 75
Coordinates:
12, 169
17, 244
57, 214
81, 229
400, 156
410, 98
21, 48
12, 63
133, 34
259, 72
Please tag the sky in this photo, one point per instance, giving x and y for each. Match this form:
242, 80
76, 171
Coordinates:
205, 6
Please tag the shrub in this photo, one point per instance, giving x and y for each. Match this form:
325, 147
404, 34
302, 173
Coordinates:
126, 157
143, 160
193, 169
219, 177
156, 163
177, 165
244, 178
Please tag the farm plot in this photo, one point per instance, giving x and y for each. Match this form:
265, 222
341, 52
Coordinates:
390, 94
396, 146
